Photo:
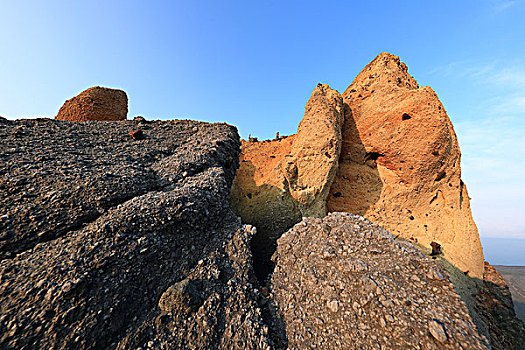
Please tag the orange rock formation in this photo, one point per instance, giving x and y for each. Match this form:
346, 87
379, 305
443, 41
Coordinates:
397, 160
400, 164
281, 181
96, 103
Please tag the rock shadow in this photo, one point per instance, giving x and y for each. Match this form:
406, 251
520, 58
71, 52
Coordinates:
357, 185
270, 209
490, 306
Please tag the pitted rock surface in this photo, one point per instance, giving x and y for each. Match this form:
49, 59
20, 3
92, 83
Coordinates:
220, 300
344, 283
96, 103
400, 164
99, 280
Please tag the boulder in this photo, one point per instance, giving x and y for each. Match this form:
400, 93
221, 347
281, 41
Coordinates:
342, 282
400, 164
96, 103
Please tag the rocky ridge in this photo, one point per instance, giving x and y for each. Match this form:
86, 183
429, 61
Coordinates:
119, 234
99, 282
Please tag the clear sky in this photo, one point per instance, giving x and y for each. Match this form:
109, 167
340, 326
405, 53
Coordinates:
254, 64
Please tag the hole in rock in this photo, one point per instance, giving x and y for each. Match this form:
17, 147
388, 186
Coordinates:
406, 116
337, 194
441, 175
373, 156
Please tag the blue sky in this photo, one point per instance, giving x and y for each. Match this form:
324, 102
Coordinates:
255, 64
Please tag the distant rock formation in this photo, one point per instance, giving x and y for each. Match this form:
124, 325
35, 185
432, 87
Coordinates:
98, 230
96, 103
344, 283
282, 180
400, 164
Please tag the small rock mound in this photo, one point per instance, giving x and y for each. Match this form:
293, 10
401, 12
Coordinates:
96, 103
344, 283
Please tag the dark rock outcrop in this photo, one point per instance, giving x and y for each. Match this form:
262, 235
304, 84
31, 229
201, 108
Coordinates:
96, 103
344, 283
124, 221
495, 306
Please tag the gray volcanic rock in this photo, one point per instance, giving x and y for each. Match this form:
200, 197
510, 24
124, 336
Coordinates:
220, 304
123, 220
56, 176
344, 283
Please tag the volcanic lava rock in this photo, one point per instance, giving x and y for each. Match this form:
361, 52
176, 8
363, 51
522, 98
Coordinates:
344, 283
96, 103
400, 164
123, 221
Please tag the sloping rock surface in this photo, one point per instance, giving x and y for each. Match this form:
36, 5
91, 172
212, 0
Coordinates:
96, 103
141, 217
344, 283
400, 164
515, 279
494, 304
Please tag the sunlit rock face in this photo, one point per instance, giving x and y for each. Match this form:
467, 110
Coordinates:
282, 180
400, 164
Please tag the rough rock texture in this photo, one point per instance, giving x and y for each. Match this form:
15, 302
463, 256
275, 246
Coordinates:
400, 164
311, 167
515, 278
96, 103
215, 307
125, 220
344, 283
56, 177
494, 304
280, 181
